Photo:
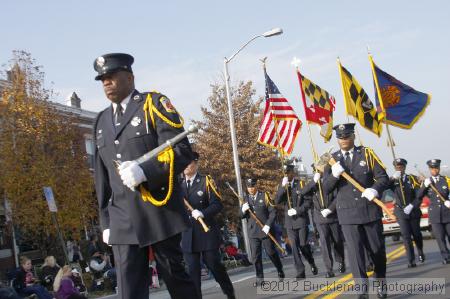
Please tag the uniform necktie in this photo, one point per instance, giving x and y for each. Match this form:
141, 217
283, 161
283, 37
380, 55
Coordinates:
348, 160
188, 185
118, 115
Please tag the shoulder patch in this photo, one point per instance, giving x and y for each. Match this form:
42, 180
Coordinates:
167, 105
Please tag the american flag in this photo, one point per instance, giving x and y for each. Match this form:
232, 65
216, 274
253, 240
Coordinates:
280, 125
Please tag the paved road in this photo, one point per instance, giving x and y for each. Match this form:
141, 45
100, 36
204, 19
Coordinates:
243, 277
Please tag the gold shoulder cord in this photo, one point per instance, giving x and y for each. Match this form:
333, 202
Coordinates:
371, 157
268, 200
413, 181
210, 184
166, 157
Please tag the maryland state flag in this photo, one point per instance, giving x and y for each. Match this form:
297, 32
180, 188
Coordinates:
399, 104
357, 102
319, 106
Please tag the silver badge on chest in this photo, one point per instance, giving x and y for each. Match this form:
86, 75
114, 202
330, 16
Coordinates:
200, 193
362, 163
136, 121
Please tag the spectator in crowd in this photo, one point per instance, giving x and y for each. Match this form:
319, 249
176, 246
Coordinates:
233, 251
73, 250
26, 283
49, 270
78, 281
93, 246
100, 264
64, 286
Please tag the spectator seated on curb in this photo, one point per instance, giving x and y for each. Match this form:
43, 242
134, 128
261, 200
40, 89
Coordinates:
48, 272
101, 268
26, 284
64, 286
232, 251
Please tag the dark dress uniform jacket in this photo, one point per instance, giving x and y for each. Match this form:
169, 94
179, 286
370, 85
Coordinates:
311, 190
351, 207
410, 192
299, 203
195, 239
437, 211
265, 212
129, 218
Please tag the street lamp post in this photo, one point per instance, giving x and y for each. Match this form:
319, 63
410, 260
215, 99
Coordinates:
273, 32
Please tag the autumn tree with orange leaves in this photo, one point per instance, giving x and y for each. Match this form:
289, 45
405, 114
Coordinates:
213, 142
40, 146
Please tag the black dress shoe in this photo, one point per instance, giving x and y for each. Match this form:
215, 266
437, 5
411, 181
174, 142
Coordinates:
412, 265
370, 267
281, 275
329, 274
258, 282
314, 269
300, 276
341, 267
363, 296
445, 261
381, 293
422, 258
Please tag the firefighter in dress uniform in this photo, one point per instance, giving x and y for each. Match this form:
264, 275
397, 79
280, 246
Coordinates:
197, 245
260, 203
407, 210
439, 209
359, 217
325, 218
296, 220
140, 205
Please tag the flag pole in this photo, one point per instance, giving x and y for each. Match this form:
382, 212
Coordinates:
280, 151
296, 63
383, 113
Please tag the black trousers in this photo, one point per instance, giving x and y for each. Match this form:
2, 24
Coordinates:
330, 235
256, 245
356, 236
133, 275
441, 231
410, 230
211, 258
299, 243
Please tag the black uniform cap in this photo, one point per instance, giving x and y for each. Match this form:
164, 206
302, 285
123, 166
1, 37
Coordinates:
111, 63
434, 163
400, 161
251, 182
195, 156
344, 130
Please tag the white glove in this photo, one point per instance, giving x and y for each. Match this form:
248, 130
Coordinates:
427, 182
316, 177
106, 236
326, 212
447, 203
370, 193
337, 169
397, 174
131, 174
245, 207
285, 181
292, 212
408, 209
266, 229
196, 213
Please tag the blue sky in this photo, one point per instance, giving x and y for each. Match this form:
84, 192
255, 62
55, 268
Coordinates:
179, 48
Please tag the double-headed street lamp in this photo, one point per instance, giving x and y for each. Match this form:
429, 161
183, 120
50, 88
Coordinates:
273, 32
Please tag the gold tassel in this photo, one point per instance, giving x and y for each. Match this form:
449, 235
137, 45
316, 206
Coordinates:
166, 157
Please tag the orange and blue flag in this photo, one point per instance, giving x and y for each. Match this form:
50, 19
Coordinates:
399, 104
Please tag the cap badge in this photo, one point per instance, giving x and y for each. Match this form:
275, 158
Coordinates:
135, 121
433, 161
341, 127
100, 61
136, 97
